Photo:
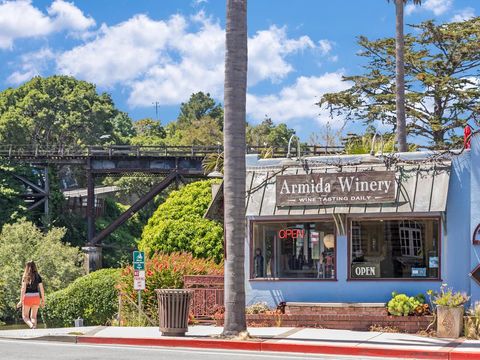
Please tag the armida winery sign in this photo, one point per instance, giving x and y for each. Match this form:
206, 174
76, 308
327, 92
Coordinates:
339, 188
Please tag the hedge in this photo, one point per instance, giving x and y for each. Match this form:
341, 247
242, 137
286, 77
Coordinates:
93, 297
178, 225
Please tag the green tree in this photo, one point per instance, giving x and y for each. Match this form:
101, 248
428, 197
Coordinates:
148, 132
200, 105
178, 224
204, 131
442, 92
12, 205
268, 134
123, 127
236, 59
58, 263
57, 110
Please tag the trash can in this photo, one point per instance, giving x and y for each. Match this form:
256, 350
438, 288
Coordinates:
173, 308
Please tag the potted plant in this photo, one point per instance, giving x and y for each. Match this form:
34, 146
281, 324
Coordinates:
450, 308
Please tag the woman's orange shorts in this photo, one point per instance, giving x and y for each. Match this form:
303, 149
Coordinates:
31, 299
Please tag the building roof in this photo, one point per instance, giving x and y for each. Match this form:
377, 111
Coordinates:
422, 183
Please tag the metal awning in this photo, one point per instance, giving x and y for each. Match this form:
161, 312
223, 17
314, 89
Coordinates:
421, 188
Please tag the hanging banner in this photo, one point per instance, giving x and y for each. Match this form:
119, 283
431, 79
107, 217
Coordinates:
336, 188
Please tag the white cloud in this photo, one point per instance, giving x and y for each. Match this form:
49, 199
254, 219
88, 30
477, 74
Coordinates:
325, 46
122, 52
30, 65
66, 16
267, 52
298, 100
166, 60
20, 19
438, 7
198, 2
463, 14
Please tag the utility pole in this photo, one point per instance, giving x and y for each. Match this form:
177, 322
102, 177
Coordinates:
156, 103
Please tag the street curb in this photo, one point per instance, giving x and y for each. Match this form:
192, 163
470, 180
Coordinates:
265, 345
56, 338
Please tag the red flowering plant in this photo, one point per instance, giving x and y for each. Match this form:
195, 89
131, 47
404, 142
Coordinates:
163, 271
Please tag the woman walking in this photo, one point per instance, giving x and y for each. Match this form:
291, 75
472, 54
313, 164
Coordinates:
32, 295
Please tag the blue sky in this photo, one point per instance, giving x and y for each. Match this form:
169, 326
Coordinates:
146, 51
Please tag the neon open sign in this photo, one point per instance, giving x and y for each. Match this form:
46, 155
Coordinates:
291, 233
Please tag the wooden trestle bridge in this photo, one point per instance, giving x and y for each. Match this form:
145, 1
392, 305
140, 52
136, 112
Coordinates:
172, 163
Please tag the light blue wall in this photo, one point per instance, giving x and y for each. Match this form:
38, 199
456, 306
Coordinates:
458, 255
475, 213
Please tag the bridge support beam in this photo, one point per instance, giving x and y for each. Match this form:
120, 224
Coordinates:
90, 203
92, 258
157, 189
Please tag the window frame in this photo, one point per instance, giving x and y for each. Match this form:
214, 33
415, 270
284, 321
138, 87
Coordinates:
403, 217
289, 219
474, 240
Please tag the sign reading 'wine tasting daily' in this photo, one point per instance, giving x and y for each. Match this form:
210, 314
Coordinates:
339, 188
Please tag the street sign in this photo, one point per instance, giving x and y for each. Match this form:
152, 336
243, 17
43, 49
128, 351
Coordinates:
138, 266
138, 256
139, 270
139, 284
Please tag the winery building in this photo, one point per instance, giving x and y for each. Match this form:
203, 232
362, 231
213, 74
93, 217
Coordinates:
355, 228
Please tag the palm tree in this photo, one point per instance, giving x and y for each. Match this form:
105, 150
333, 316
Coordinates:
400, 74
236, 56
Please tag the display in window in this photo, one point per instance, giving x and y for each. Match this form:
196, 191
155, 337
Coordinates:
258, 260
394, 249
297, 250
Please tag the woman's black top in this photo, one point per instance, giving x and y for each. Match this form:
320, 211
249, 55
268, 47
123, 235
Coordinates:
33, 287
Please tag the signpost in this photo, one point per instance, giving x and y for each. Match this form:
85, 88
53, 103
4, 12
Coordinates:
139, 276
367, 187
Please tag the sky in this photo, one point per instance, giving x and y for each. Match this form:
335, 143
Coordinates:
147, 52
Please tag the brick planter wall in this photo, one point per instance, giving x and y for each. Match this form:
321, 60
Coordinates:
345, 316
409, 324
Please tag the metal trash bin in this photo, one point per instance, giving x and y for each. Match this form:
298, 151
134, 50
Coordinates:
173, 311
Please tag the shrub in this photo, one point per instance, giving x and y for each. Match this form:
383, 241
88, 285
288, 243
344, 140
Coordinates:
448, 297
258, 308
403, 305
472, 322
58, 263
163, 271
93, 297
178, 225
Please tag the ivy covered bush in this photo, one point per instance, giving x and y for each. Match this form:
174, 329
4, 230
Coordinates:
163, 271
178, 225
93, 297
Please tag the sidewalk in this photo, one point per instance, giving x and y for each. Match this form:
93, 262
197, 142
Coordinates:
298, 340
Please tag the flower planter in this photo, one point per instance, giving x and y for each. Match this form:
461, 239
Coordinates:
345, 321
449, 321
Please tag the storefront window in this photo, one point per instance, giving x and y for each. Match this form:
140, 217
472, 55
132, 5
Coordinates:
293, 250
394, 249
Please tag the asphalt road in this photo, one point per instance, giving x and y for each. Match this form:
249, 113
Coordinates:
37, 350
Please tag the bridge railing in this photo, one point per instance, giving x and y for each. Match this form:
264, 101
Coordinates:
36, 151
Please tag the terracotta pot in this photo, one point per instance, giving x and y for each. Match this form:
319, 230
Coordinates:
449, 321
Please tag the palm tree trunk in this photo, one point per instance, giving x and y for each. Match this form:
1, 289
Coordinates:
400, 78
234, 165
